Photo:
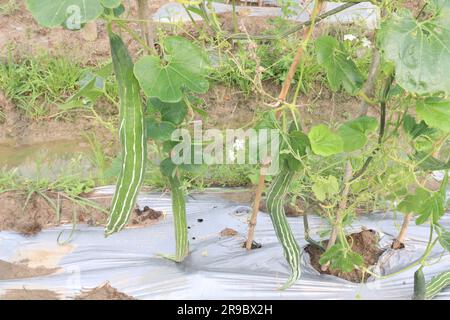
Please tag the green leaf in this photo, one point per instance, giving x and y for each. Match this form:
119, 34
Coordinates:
340, 68
414, 129
427, 162
325, 188
413, 202
171, 112
354, 132
433, 208
111, 4
325, 142
55, 13
167, 167
435, 112
420, 51
299, 142
341, 259
184, 67
159, 130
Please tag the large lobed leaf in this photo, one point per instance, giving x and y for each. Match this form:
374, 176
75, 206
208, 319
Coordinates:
184, 67
55, 13
420, 50
340, 69
325, 142
354, 132
435, 112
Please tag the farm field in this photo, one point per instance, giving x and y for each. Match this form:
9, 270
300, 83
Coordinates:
224, 150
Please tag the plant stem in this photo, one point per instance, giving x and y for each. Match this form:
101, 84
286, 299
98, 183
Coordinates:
298, 55
398, 242
255, 210
341, 209
144, 25
369, 86
282, 98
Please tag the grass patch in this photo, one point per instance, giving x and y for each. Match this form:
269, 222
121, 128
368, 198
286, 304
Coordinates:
39, 84
9, 7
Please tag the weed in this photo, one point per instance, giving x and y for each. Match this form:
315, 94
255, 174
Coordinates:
37, 84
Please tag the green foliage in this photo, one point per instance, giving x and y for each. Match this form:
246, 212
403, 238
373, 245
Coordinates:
340, 68
184, 67
171, 112
325, 142
340, 258
435, 112
354, 132
55, 13
414, 129
426, 204
38, 84
420, 50
324, 188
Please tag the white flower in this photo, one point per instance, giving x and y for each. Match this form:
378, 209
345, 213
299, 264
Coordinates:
349, 37
366, 42
239, 144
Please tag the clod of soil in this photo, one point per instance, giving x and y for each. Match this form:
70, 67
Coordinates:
255, 245
228, 232
147, 214
103, 292
25, 294
364, 243
10, 270
40, 214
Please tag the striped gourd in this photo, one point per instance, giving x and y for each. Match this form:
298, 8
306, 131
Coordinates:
437, 284
419, 285
275, 205
132, 137
179, 218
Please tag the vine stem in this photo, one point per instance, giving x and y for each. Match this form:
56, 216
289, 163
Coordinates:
144, 25
340, 212
281, 98
398, 242
255, 210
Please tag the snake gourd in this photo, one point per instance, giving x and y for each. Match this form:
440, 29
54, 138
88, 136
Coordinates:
179, 218
275, 205
437, 284
132, 137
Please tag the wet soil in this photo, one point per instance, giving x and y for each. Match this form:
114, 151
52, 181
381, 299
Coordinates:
26, 294
10, 270
40, 214
103, 292
364, 243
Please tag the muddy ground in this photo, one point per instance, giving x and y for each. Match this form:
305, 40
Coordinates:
364, 243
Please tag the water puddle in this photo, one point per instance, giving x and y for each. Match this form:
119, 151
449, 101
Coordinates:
45, 159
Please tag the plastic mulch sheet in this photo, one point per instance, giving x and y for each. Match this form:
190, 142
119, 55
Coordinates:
218, 267
364, 13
